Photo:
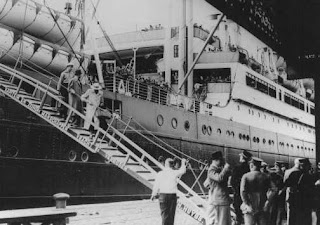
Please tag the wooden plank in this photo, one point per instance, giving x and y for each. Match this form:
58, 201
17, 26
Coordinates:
34, 215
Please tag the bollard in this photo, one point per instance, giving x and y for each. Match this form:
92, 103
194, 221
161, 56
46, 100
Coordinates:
61, 200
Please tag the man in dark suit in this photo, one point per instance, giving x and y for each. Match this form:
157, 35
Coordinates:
75, 91
300, 190
238, 172
253, 189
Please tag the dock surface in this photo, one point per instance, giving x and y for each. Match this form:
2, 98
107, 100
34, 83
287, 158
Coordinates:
142, 212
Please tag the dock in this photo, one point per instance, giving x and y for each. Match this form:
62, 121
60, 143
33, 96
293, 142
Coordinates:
141, 212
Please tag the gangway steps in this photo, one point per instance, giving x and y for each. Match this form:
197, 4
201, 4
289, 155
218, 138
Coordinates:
112, 145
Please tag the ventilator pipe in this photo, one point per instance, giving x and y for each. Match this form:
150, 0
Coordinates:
198, 56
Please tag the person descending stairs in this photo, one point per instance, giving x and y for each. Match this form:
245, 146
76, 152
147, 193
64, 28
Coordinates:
112, 144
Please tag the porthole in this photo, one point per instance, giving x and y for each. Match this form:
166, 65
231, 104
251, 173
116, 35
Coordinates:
219, 131
174, 123
209, 130
160, 120
240, 136
254, 139
228, 133
12, 151
186, 125
232, 133
204, 129
264, 140
248, 137
238, 107
84, 157
72, 155
269, 142
258, 140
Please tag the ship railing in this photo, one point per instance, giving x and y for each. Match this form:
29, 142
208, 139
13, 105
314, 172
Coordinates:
196, 166
112, 134
151, 92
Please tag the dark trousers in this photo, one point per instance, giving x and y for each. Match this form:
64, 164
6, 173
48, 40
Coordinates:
65, 94
168, 203
237, 201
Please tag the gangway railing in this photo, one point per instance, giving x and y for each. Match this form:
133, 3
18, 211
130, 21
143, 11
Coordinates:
112, 144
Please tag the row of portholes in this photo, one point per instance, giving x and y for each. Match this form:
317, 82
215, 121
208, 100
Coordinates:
174, 122
244, 137
282, 144
206, 130
273, 120
72, 156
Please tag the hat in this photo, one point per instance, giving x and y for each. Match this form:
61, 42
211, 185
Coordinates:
256, 161
263, 163
217, 155
279, 163
304, 161
96, 86
70, 64
78, 73
246, 154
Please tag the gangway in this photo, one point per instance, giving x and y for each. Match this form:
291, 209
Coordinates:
112, 144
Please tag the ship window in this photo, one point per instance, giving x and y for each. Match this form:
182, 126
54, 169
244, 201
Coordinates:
160, 120
176, 51
209, 130
204, 129
174, 123
186, 125
262, 86
272, 91
312, 110
287, 98
250, 80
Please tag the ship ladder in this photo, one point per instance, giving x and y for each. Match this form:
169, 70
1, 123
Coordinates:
112, 144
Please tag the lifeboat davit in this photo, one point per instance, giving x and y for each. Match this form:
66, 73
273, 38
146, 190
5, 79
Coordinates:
39, 21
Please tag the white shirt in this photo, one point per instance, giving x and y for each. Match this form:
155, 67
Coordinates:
166, 180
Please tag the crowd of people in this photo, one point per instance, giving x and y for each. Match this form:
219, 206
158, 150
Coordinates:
262, 195
71, 88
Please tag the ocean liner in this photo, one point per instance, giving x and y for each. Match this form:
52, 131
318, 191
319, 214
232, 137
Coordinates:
237, 97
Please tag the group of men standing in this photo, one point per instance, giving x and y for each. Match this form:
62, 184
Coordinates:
71, 88
260, 197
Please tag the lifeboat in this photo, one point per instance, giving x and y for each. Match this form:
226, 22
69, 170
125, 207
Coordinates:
32, 53
39, 21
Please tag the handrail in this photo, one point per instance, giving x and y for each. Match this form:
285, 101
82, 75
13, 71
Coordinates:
150, 133
100, 130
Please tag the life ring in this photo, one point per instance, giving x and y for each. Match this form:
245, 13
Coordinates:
121, 88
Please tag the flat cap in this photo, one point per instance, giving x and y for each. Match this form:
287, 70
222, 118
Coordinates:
217, 155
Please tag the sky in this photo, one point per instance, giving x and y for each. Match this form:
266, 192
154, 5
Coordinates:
118, 16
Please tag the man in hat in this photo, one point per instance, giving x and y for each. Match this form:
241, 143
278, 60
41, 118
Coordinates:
166, 187
300, 188
253, 190
62, 86
238, 172
277, 207
217, 182
75, 91
93, 98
